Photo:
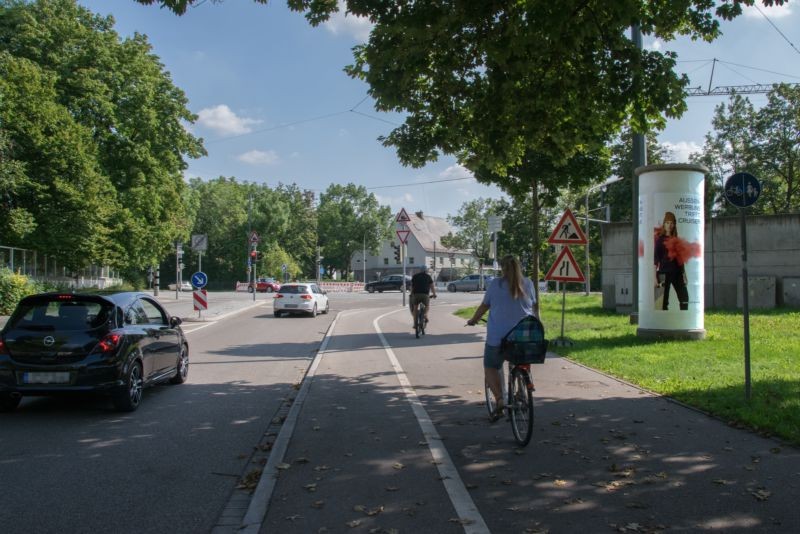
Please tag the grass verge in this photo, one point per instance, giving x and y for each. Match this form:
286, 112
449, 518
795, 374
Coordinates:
707, 374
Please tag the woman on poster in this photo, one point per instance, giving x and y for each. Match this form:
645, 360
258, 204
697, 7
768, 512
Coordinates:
669, 263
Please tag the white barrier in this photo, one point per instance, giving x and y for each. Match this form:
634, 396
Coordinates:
242, 286
342, 287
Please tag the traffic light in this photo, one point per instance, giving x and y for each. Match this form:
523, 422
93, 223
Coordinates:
259, 256
396, 253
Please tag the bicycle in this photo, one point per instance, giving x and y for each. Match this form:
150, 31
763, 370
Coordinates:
518, 394
419, 320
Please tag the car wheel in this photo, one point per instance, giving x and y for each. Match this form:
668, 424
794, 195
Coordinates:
250, 289
314, 311
129, 396
182, 370
277, 314
370, 290
9, 403
269, 290
380, 291
327, 307
451, 288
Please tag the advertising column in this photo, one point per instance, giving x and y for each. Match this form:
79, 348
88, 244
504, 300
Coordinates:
671, 234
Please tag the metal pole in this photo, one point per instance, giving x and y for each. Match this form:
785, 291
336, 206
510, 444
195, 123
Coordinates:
177, 269
746, 305
587, 285
364, 259
639, 159
403, 261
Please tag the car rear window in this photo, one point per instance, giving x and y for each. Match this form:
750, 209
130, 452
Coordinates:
59, 314
294, 289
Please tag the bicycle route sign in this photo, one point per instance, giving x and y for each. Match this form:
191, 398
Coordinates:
742, 189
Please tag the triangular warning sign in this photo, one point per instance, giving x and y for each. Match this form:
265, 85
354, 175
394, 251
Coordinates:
402, 217
565, 268
567, 232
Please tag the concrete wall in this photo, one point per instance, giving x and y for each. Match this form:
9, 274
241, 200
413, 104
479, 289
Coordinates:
773, 251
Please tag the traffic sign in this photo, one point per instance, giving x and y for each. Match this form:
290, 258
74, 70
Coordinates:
254, 237
565, 268
402, 235
199, 242
283, 268
567, 231
495, 223
742, 189
199, 280
200, 298
402, 217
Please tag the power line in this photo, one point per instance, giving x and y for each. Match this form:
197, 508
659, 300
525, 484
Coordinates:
776, 29
422, 183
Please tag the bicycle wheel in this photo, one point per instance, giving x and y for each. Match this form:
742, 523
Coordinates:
520, 402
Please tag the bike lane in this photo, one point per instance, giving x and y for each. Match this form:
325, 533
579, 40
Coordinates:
605, 455
358, 459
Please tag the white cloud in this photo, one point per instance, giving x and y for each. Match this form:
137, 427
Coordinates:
455, 171
773, 12
679, 152
259, 157
342, 23
224, 121
655, 45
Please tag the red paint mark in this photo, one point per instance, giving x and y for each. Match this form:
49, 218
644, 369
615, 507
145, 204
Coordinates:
641, 248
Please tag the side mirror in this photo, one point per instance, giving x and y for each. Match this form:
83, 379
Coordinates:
175, 321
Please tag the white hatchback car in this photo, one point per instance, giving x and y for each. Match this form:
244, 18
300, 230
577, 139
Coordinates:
301, 298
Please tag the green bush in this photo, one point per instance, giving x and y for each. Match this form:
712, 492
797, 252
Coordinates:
12, 288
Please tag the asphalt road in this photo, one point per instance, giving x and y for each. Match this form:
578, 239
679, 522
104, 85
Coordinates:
387, 433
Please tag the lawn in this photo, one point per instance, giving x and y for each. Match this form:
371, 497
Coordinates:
707, 374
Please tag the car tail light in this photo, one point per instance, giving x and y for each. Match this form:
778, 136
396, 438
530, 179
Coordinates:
65, 297
278, 296
3, 349
306, 297
108, 344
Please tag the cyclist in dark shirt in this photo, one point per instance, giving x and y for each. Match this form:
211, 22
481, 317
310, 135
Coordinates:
421, 286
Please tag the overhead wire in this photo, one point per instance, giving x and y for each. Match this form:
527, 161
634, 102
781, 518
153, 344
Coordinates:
776, 28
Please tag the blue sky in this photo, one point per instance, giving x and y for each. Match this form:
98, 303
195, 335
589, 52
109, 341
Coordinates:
275, 106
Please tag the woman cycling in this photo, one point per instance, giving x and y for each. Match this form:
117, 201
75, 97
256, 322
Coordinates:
510, 298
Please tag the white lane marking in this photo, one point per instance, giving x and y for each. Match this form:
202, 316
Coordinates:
259, 502
187, 324
459, 496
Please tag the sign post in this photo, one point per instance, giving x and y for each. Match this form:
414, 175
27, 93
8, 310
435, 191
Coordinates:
402, 234
567, 232
742, 190
199, 281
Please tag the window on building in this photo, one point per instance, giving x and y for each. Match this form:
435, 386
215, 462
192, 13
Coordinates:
441, 260
462, 261
411, 260
386, 261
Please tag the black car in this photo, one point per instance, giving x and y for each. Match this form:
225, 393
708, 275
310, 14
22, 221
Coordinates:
118, 344
393, 282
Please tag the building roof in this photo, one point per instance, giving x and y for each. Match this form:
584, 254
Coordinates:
427, 229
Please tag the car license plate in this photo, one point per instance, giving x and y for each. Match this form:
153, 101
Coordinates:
60, 377
291, 305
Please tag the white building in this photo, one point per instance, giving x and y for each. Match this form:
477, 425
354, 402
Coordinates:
424, 245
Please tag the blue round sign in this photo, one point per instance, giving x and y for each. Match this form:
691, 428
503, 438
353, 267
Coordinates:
199, 279
742, 189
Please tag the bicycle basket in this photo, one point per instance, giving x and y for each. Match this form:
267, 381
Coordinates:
525, 343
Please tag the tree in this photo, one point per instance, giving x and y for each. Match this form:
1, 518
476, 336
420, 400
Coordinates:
16, 223
300, 237
763, 142
472, 228
119, 92
347, 215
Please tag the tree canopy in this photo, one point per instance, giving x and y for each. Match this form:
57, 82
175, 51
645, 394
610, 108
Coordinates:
98, 124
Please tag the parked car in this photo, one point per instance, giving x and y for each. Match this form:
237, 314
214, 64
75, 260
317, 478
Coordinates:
118, 343
469, 283
305, 298
265, 285
393, 282
185, 286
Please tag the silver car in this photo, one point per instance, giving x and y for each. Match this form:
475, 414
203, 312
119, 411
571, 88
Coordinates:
301, 298
469, 283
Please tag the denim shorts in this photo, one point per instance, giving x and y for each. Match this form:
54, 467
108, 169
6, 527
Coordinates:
492, 357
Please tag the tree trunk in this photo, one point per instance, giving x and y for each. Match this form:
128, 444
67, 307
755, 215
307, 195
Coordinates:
535, 241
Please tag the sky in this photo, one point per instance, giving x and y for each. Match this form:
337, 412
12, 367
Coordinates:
275, 106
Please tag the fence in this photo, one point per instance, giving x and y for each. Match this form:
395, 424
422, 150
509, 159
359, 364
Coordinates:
44, 268
330, 287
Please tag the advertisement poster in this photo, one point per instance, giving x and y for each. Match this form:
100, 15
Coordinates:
671, 234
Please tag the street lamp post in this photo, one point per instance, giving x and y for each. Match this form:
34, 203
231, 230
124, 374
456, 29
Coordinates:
364, 259
613, 179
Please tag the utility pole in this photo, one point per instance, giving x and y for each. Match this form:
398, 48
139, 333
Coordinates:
178, 267
319, 263
364, 259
